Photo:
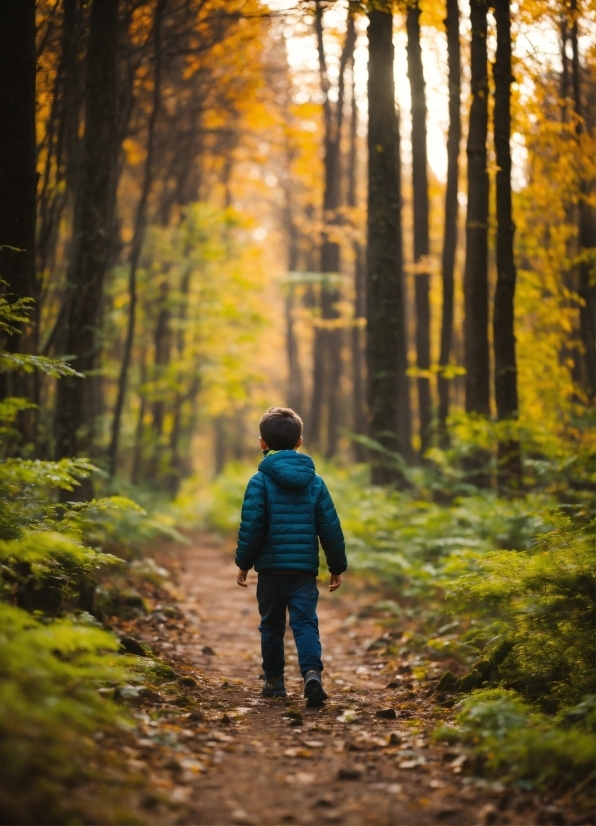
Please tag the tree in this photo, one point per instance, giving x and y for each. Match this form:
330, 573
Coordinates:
477, 359
18, 175
421, 218
451, 206
327, 343
138, 237
358, 354
91, 235
586, 227
386, 333
509, 472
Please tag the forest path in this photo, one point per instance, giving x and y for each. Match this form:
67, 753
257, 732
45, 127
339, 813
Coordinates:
338, 764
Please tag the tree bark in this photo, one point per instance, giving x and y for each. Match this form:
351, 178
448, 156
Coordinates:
295, 384
137, 241
509, 460
18, 176
476, 269
357, 338
451, 208
95, 205
62, 142
586, 232
386, 338
476, 346
421, 221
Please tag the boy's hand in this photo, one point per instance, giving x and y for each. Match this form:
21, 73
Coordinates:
334, 582
241, 578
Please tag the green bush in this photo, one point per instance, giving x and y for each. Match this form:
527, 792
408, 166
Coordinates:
513, 740
52, 662
542, 602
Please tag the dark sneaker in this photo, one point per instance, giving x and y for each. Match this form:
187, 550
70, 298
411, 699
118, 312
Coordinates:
275, 687
313, 689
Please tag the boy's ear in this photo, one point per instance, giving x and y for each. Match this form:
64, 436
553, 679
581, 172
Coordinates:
263, 443
298, 443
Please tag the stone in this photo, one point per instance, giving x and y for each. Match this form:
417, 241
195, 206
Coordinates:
386, 713
128, 645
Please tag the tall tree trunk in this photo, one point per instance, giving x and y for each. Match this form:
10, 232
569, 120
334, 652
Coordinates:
95, 205
18, 177
476, 347
162, 343
137, 456
137, 241
421, 219
58, 183
295, 384
587, 231
386, 336
404, 413
509, 468
357, 342
451, 208
327, 342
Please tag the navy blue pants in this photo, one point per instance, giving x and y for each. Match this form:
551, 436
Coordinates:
298, 593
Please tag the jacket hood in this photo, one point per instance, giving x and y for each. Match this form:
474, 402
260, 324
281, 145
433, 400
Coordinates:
288, 469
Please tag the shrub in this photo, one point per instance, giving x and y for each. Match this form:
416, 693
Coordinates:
515, 741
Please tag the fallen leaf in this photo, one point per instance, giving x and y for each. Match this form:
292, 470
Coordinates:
241, 817
304, 778
303, 753
348, 716
412, 764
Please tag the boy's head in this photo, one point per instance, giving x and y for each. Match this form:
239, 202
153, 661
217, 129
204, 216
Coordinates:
281, 429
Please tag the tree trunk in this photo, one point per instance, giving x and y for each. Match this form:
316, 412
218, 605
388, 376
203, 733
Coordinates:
421, 219
18, 176
295, 396
357, 342
95, 205
404, 413
137, 241
162, 339
451, 208
509, 467
137, 456
58, 183
476, 347
386, 337
586, 234
327, 366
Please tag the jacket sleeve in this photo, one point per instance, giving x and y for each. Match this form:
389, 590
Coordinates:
253, 523
330, 532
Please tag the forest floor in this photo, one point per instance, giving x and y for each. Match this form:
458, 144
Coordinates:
208, 749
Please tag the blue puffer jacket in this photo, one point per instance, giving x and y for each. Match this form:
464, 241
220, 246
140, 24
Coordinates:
286, 507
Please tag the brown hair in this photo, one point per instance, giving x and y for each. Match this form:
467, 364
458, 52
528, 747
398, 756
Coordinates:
280, 428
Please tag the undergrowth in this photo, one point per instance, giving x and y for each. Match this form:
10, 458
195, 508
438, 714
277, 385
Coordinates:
55, 658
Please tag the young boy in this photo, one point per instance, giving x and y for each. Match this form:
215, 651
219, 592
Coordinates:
287, 509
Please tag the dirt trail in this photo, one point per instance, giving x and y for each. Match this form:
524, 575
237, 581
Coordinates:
339, 764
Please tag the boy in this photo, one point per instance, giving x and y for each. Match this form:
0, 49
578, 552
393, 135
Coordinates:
287, 509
